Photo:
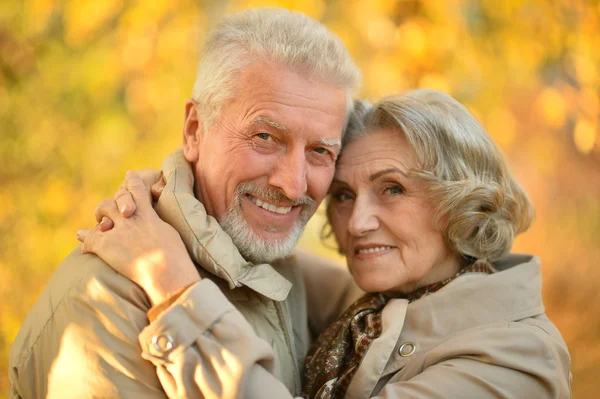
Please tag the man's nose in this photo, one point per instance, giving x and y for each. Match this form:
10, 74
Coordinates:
290, 174
363, 218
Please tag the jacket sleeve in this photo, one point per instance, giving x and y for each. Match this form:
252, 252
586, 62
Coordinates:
515, 362
330, 289
203, 347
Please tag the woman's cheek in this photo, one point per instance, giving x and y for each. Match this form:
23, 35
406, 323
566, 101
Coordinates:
340, 231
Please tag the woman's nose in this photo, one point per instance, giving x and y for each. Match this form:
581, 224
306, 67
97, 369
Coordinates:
363, 219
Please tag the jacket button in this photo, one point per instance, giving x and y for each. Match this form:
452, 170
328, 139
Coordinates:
407, 349
163, 343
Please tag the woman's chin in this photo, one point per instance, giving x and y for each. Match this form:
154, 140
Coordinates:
374, 275
371, 284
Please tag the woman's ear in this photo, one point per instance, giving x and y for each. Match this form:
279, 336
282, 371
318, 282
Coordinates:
192, 129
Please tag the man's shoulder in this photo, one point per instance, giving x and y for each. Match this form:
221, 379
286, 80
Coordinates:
87, 278
80, 273
81, 291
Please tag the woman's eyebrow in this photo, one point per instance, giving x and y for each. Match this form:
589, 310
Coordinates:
377, 175
338, 181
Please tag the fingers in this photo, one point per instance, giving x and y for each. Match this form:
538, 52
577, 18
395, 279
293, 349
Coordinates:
125, 202
157, 188
83, 234
89, 238
141, 194
108, 209
150, 176
106, 224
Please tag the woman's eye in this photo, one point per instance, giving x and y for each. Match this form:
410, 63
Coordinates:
394, 190
341, 196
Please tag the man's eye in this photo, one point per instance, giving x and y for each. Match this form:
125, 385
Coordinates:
321, 150
263, 136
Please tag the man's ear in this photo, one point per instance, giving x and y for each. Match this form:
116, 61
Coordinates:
192, 129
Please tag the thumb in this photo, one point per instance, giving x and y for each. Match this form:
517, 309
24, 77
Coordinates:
140, 193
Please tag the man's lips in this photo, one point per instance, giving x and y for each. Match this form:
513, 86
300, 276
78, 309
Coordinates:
263, 218
282, 209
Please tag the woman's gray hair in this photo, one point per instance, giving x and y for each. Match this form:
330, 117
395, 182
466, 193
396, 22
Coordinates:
356, 121
479, 205
269, 35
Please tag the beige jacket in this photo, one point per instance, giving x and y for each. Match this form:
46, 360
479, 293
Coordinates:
88, 334
481, 336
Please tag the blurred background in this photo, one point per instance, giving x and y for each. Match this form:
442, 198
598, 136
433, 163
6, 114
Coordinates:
89, 89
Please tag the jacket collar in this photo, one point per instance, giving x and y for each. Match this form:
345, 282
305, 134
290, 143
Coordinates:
474, 300
512, 293
207, 244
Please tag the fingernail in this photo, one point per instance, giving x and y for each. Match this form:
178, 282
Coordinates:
79, 234
160, 189
123, 209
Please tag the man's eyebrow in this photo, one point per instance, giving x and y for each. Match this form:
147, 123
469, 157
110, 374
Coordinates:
377, 175
330, 142
278, 126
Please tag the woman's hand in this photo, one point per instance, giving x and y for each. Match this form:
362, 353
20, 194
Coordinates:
124, 200
139, 245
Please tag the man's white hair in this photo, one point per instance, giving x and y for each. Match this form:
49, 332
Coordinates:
269, 35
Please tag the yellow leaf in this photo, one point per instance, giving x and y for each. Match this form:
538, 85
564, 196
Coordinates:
54, 199
552, 107
38, 13
434, 81
411, 39
584, 135
84, 17
379, 30
502, 125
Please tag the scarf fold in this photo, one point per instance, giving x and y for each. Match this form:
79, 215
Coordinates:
337, 354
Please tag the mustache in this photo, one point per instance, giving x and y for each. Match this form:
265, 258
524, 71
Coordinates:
270, 194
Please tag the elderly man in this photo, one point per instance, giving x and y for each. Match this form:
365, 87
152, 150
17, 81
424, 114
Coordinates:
261, 136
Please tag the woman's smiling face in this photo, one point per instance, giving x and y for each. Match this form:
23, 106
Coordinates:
382, 220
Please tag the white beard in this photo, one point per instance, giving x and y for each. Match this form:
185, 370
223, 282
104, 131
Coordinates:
251, 245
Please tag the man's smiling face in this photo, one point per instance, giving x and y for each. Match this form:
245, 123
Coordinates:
267, 161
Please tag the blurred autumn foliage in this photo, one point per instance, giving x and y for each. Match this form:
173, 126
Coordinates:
89, 89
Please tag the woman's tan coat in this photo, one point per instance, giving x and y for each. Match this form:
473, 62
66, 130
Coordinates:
481, 336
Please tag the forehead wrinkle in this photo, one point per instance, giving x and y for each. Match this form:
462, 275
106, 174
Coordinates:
377, 175
308, 103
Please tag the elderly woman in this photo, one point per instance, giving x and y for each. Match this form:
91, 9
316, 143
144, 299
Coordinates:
425, 209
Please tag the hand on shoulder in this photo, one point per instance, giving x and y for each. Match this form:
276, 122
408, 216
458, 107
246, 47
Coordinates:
134, 241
